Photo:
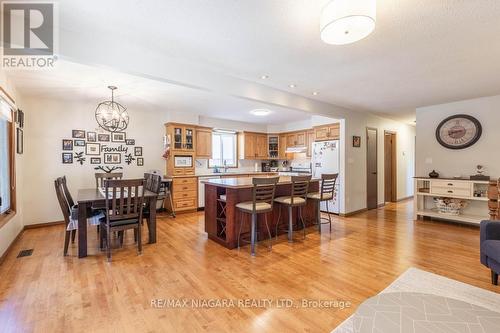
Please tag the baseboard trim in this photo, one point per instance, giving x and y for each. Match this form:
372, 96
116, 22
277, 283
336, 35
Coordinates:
41, 225
11, 245
405, 198
381, 205
354, 213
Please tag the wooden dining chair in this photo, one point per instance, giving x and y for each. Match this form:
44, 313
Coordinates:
65, 208
124, 206
100, 177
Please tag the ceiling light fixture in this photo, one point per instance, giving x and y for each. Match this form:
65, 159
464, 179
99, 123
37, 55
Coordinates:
264, 77
315, 93
110, 115
292, 85
347, 21
260, 112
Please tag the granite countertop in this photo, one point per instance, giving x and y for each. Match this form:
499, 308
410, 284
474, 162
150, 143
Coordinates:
230, 173
246, 182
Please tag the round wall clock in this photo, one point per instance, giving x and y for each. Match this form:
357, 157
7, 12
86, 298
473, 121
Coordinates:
459, 131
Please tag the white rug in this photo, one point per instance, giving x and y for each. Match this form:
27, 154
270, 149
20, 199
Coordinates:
417, 281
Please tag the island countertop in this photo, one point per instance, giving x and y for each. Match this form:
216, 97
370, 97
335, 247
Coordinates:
246, 182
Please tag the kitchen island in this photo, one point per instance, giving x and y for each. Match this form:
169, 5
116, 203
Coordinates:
222, 218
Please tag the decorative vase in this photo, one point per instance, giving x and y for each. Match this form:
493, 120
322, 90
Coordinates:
434, 174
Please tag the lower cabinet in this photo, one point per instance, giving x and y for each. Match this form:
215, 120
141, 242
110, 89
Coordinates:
185, 193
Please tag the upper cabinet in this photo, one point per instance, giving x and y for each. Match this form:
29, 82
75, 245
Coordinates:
296, 139
309, 141
327, 132
182, 137
203, 142
282, 147
273, 146
252, 145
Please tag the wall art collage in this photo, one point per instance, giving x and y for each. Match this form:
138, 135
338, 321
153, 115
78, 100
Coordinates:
111, 149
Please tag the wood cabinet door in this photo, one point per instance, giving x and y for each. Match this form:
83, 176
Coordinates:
291, 140
189, 140
249, 146
309, 142
301, 138
282, 147
261, 146
321, 133
334, 132
204, 143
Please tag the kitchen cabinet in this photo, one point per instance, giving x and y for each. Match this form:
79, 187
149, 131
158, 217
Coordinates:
185, 193
203, 142
327, 132
282, 147
181, 136
296, 139
261, 146
252, 145
309, 142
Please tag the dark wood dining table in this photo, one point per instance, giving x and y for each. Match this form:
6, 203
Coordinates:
88, 198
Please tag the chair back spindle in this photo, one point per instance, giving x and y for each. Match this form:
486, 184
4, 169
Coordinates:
124, 199
263, 191
300, 187
100, 177
328, 182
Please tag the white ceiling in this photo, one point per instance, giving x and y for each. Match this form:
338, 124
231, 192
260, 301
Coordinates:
422, 52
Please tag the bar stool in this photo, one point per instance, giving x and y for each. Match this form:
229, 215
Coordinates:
298, 198
326, 194
262, 203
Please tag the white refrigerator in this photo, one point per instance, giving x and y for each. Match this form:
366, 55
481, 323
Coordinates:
326, 159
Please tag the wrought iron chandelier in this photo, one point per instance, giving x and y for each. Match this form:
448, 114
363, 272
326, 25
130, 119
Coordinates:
110, 115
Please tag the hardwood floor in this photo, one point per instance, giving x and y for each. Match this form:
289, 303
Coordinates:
365, 253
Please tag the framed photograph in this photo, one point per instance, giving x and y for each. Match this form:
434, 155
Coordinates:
79, 143
137, 151
67, 158
112, 158
130, 142
356, 141
91, 136
93, 149
78, 134
67, 144
103, 137
118, 137
95, 160
20, 141
140, 161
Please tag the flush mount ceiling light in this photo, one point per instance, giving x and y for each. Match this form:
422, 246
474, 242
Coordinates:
347, 21
292, 85
315, 93
260, 112
264, 77
110, 115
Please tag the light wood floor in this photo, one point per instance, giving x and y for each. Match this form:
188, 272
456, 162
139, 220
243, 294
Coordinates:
51, 293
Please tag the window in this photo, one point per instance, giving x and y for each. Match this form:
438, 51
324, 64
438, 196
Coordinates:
223, 149
6, 159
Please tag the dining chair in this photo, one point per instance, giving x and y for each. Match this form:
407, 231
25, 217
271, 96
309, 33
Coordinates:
297, 198
262, 203
66, 211
100, 177
325, 194
124, 206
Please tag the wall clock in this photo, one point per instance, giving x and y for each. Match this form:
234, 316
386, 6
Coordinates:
459, 131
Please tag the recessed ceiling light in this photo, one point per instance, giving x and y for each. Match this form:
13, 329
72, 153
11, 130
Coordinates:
315, 93
264, 77
292, 85
260, 112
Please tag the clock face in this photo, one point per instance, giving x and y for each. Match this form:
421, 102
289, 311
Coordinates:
458, 132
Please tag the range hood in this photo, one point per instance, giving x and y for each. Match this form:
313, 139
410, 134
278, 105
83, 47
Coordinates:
296, 149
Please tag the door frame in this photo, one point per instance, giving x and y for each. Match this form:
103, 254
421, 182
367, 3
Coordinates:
376, 163
394, 165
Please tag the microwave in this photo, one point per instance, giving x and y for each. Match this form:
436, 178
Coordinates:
183, 161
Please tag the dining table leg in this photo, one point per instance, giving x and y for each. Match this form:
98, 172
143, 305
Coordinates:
152, 220
82, 229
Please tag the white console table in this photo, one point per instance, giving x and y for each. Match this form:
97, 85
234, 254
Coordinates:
426, 189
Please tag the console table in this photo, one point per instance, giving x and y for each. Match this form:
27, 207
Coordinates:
475, 192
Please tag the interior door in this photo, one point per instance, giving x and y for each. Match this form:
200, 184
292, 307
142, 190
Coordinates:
371, 168
390, 179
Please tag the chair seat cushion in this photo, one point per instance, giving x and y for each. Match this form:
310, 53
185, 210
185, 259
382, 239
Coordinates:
317, 196
247, 206
120, 222
492, 249
288, 200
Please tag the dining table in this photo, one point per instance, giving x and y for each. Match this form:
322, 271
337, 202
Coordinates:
93, 198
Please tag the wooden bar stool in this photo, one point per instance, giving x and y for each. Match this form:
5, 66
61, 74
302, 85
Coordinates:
326, 194
262, 203
298, 198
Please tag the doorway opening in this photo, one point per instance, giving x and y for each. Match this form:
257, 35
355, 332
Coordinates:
371, 168
390, 167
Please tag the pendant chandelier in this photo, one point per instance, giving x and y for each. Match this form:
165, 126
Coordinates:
347, 21
110, 115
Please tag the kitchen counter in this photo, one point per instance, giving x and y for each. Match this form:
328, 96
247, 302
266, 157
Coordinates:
247, 181
225, 174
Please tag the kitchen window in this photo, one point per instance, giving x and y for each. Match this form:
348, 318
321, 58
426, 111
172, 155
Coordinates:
6, 162
224, 149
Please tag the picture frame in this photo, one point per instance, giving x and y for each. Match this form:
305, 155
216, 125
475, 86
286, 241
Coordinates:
130, 142
79, 143
112, 158
20, 141
93, 149
91, 137
103, 138
67, 158
78, 134
95, 160
356, 141
140, 161
137, 151
67, 144
118, 137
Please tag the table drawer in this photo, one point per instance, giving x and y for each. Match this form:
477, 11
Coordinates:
185, 204
179, 195
451, 184
450, 191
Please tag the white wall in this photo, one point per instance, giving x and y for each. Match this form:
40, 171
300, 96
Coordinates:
431, 155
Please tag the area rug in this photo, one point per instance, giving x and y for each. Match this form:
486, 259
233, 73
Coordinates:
417, 281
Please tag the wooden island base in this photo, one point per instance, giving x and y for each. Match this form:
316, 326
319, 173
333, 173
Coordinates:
222, 219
